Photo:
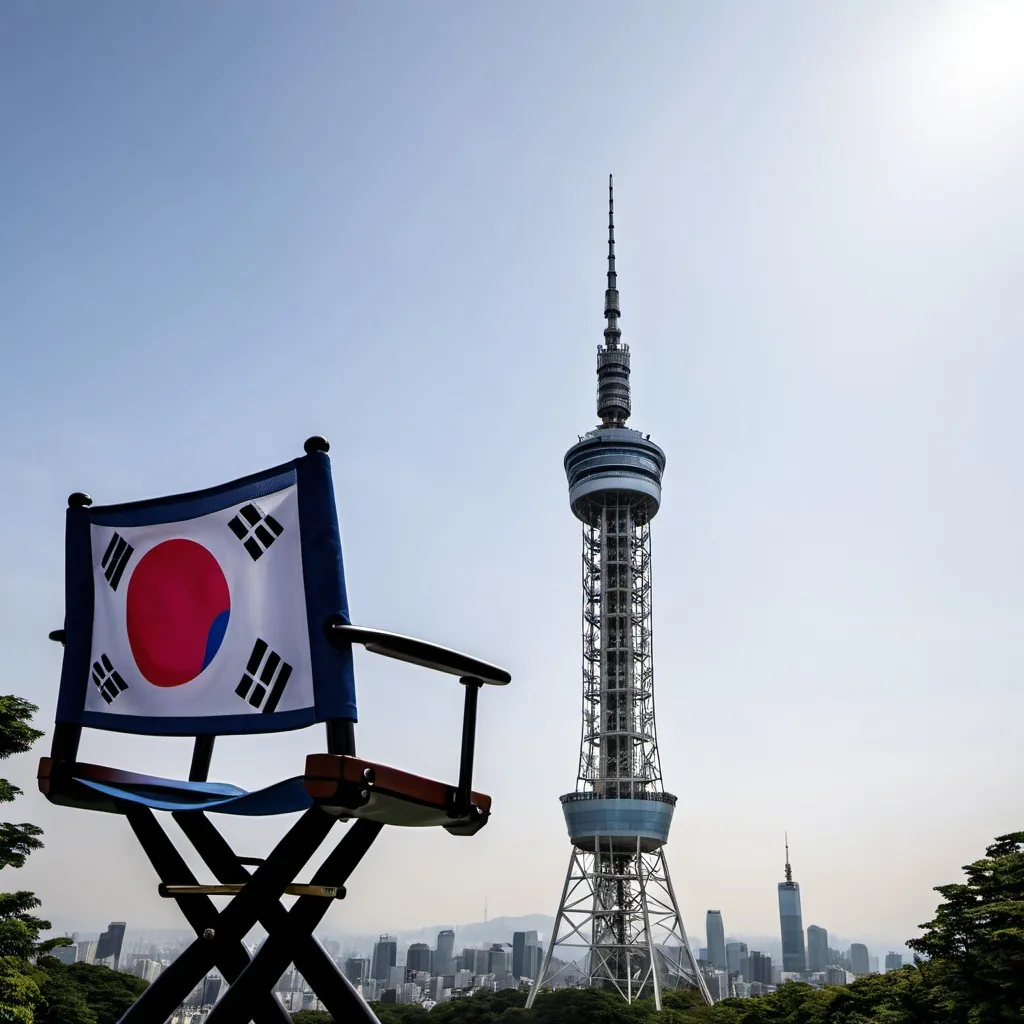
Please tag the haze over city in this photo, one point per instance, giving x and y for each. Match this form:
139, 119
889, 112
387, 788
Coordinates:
230, 227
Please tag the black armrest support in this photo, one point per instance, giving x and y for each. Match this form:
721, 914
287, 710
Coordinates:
473, 674
417, 652
464, 794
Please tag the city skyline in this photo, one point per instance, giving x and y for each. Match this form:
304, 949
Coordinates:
382, 230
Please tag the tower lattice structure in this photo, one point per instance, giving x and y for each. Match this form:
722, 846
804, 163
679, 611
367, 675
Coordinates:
618, 924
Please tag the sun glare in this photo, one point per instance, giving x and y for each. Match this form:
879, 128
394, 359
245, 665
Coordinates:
970, 63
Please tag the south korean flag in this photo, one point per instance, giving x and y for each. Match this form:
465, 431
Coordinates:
200, 620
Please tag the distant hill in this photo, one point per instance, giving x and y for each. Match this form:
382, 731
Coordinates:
476, 934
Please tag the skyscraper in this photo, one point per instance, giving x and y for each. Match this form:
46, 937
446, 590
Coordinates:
523, 957
859, 962
418, 957
618, 906
444, 956
735, 954
759, 967
109, 943
817, 948
357, 969
792, 922
716, 940
385, 956
893, 961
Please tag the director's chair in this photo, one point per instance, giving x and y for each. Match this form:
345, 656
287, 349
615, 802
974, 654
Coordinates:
221, 612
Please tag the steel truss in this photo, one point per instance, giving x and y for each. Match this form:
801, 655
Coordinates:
618, 923
618, 747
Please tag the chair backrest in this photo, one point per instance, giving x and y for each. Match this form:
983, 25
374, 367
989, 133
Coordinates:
203, 614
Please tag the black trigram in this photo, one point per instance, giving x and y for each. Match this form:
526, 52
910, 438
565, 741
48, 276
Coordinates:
116, 559
265, 673
108, 682
255, 529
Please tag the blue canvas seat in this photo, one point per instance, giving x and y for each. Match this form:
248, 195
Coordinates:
98, 788
225, 611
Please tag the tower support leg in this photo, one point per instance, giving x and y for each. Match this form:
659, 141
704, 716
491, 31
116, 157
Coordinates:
645, 954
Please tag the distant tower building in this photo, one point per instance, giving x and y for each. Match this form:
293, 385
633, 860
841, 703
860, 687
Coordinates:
859, 962
385, 956
65, 954
418, 957
525, 954
836, 976
497, 960
735, 954
893, 961
618, 918
817, 948
444, 955
110, 941
792, 922
759, 966
357, 969
716, 940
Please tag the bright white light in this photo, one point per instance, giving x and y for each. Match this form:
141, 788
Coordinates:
966, 79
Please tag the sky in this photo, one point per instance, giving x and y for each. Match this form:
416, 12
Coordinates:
230, 226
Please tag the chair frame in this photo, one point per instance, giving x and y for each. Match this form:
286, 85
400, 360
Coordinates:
256, 893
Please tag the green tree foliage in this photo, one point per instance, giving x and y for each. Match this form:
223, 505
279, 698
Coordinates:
107, 993
19, 928
975, 943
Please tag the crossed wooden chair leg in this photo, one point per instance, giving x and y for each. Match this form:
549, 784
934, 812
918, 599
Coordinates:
220, 933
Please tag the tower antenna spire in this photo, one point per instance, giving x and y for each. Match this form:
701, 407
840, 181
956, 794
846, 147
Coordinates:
789, 870
613, 401
612, 333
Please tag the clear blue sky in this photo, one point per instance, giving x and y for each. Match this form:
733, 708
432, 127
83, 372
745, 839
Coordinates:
228, 226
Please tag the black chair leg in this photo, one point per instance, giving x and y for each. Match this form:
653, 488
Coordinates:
201, 914
276, 953
227, 929
335, 991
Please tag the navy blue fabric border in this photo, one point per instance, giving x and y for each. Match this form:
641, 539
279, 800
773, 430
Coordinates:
323, 579
322, 570
178, 507
213, 725
78, 611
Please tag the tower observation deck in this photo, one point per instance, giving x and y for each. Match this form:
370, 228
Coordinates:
618, 922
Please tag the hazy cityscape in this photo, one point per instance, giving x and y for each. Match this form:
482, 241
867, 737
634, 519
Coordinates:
431, 966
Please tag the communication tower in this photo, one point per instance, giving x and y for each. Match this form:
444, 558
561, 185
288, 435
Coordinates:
618, 921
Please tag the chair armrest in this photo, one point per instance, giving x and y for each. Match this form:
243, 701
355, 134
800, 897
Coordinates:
417, 652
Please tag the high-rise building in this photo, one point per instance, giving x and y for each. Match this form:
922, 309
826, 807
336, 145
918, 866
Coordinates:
619, 909
65, 954
497, 960
817, 948
357, 969
523, 957
385, 956
735, 954
759, 968
859, 962
792, 922
417, 958
110, 941
893, 961
716, 940
835, 975
444, 954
